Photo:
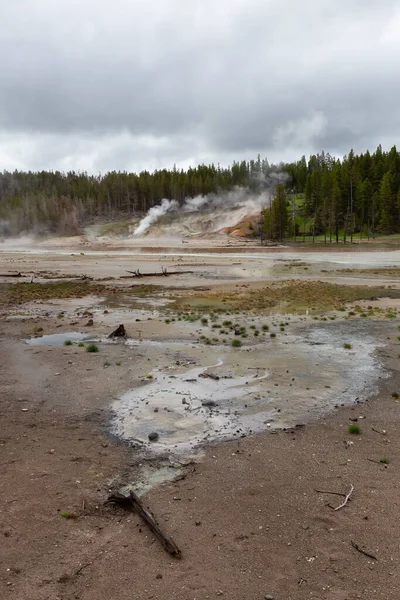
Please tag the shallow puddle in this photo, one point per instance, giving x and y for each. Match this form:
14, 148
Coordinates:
279, 383
57, 339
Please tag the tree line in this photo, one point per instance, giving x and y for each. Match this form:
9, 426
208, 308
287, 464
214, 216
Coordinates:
319, 196
357, 195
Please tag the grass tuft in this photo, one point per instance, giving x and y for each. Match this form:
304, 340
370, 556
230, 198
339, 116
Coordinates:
354, 429
92, 348
68, 515
236, 343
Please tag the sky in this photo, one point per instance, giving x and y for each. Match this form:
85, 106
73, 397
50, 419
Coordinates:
95, 85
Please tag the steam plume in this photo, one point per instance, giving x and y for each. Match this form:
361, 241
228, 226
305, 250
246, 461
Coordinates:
237, 198
154, 214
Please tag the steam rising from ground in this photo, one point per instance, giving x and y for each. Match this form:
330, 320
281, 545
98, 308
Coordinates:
247, 201
155, 213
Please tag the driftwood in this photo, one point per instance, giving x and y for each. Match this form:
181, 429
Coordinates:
164, 273
365, 552
345, 496
119, 332
209, 376
133, 502
11, 275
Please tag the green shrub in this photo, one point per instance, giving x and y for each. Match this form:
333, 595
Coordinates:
236, 343
92, 348
354, 429
67, 343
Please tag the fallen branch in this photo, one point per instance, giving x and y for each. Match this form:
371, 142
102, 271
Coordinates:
357, 547
377, 431
346, 499
11, 275
333, 493
164, 273
132, 501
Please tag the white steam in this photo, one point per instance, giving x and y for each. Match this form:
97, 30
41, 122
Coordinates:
154, 214
247, 201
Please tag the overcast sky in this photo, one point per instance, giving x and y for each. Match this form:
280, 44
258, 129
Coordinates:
97, 85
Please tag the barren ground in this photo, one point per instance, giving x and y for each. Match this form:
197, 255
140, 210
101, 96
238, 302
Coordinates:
246, 514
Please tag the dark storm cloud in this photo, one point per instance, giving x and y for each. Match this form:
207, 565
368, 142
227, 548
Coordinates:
135, 83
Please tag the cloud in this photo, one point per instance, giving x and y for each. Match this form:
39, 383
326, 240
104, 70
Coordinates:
100, 85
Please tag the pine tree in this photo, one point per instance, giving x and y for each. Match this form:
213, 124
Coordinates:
276, 218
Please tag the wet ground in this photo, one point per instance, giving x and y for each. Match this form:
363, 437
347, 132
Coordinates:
235, 392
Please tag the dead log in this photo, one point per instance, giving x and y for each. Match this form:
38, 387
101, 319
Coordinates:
206, 375
164, 273
119, 332
133, 502
11, 275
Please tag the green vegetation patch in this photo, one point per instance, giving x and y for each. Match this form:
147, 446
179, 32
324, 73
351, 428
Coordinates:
290, 296
18, 293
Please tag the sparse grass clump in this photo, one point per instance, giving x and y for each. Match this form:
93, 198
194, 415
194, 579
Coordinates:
395, 395
273, 335
354, 429
67, 343
204, 321
236, 343
167, 321
92, 348
265, 328
347, 346
68, 515
384, 460
81, 345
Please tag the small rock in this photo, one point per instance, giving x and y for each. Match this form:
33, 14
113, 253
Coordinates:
268, 598
153, 436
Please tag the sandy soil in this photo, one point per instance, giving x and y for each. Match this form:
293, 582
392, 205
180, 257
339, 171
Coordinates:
248, 518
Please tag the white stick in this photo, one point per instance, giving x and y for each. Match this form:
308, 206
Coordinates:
346, 499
